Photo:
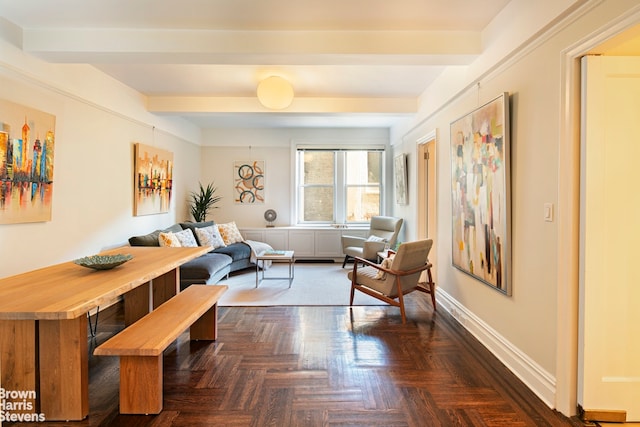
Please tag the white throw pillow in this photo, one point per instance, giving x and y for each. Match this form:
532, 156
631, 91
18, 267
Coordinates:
210, 236
373, 238
186, 238
169, 240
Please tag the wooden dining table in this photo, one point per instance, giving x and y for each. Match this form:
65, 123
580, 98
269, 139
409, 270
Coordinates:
43, 321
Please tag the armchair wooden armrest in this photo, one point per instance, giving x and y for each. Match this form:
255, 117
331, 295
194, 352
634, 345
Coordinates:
388, 270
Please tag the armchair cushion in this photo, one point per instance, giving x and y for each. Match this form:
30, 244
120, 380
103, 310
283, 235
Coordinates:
367, 276
370, 249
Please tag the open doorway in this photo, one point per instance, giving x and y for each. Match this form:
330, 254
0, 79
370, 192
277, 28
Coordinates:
609, 352
571, 315
426, 215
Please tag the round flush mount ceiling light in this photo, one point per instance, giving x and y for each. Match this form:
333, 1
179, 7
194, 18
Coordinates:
275, 93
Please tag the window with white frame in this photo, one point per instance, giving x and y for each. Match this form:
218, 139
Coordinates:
338, 185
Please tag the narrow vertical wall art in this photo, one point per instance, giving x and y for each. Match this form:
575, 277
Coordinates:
400, 178
27, 142
248, 182
153, 180
480, 194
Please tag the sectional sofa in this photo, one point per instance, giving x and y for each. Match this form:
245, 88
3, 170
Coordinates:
208, 268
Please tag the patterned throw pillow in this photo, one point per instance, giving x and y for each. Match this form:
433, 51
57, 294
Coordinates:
210, 236
186, 238
230, 233
168, 239
386, 263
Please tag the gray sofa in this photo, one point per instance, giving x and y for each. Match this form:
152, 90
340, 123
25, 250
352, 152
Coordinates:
208, 268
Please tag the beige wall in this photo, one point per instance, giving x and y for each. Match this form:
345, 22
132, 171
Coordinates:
276, 147
522, 329
97, 122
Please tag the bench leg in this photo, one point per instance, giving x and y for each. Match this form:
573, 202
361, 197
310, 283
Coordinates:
206, 327
140, 384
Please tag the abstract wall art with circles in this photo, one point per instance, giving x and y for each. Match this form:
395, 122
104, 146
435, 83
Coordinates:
248, 182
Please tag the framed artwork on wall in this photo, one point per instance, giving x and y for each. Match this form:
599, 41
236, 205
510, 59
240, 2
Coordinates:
400, 178
480, 194
248, 182
153, 180
27, 142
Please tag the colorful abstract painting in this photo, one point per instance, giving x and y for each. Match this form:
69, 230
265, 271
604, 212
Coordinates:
153, 180
27, 142
248, 182
480, 193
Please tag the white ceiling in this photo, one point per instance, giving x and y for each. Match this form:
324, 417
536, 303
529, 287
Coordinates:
351, 63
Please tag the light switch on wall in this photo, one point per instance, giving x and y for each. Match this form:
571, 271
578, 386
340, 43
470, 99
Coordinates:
548, 212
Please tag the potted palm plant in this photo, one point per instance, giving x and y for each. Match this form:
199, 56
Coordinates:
203, 201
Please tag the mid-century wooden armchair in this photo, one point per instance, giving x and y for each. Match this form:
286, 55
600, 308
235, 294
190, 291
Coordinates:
391, 283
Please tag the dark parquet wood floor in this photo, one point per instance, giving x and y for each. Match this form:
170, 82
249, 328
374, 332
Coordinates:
325, 366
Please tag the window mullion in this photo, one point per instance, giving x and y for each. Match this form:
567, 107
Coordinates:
339, 190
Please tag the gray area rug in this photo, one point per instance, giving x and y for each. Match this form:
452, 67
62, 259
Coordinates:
313, 284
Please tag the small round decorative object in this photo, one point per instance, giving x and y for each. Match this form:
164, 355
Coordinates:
270, 215
103, 262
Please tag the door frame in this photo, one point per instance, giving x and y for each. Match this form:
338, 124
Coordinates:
427, 193
569, 211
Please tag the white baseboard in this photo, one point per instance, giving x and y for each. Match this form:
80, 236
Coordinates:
541, 382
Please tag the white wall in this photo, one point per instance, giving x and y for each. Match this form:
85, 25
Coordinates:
97, 122
275, 147
521, 329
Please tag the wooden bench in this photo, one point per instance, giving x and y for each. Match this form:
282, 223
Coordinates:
140, 346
